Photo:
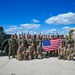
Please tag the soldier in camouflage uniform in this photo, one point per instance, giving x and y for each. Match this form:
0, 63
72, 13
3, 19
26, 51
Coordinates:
30, 41
66, 41
12, 46
31, 50
34, 41
41, 54
62, 39
39, 50
71, 42
38, 40
18, 39
61, 52
21, 54
16, 45
23, 40
70, 52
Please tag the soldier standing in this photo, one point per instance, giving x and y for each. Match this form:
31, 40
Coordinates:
30, 41
39, 39
16, 45
23, 40
71, 42
62, 39
66, 41
12, 46
18, 39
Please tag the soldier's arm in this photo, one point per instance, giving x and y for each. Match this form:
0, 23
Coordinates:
29, 50
37, 49
19, 51
34, 51
25, 49
72, 50
64, 49
15, 43
20, 42
58, 50
9, 42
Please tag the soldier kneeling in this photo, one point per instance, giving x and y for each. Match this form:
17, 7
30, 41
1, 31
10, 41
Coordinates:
32, 53
39, 51
61, 52
21, 55
70, 52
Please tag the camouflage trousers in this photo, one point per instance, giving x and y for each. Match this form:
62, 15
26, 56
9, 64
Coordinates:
12, 51
62, 55
32, 55
70, 57
42, 55
22, 57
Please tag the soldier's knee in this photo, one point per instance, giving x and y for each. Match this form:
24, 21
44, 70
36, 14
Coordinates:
60, 57
39, 56
19, 57
30, 57
44, 54
68, 58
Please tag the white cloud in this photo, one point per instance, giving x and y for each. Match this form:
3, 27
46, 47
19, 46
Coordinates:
30, 26
64, 30
66, 27
14, 29
34, 20
35, 32
22, 28
51, 31
67, 18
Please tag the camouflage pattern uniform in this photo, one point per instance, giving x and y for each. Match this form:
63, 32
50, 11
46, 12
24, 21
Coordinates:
39, 51
66, 42
71, 41
32, 53
12, 46
23, 41
70, 53
61, 52
29, 41
18, 41
16, 45
21, 53
39, 39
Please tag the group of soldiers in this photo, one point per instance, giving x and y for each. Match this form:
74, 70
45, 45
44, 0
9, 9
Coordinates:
23, 48
66, 49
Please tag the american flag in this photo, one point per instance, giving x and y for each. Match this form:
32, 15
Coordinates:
50, 45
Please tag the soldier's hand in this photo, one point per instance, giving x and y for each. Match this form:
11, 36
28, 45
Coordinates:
71, 54
34, 52
64, 50
61, 53
23, 52
30, 57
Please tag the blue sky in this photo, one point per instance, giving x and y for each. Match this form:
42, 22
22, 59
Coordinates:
37, 15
